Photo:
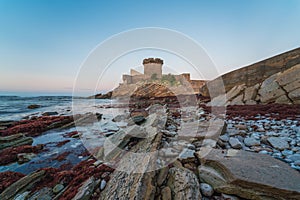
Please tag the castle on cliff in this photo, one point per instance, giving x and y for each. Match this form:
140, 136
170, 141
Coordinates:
153, 71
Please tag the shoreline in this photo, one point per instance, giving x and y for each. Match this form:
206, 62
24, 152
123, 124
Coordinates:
246, 126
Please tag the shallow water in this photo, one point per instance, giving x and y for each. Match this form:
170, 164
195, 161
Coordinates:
15, 108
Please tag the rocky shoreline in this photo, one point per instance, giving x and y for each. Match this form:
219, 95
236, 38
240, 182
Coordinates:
254, 153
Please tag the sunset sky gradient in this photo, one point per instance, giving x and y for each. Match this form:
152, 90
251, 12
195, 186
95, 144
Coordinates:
44, 42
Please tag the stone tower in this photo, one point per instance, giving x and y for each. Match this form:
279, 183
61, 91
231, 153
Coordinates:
153, 66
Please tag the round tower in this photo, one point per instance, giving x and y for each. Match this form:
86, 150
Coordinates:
153, 66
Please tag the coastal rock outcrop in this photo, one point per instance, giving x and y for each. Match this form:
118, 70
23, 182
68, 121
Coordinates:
248, 175
274, 80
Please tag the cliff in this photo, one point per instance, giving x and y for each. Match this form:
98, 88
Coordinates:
274, 80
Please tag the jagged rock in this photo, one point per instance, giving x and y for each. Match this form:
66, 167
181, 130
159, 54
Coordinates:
187, 154
183, 184
162, 175
166, 194
270, 90
248, 175
86, 190
134, 177
235, 92
237, 100
253, 74
295, 95
235, 143
120, 118
289, 79
139, 119
22, 185
250, 93
224, 138
278, 142
283, 99
251, 141
206, 189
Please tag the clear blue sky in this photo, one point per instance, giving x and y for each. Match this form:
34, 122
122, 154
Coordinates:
44, 42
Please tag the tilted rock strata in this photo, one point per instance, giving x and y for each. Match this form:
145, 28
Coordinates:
253, 74
248, 175
282, 88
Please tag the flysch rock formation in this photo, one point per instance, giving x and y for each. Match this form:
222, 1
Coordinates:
248, 175
274, 80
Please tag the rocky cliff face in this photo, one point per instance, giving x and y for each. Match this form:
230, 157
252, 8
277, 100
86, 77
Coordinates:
275, 80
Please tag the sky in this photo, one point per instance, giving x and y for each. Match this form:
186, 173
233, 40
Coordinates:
44, 43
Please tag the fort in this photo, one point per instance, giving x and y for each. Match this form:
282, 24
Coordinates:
153, 72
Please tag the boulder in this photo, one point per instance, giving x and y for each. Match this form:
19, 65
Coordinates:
248, 175
33, 106
251, 141
270, 90
239, 100
279, 143
289, 79
235, 91
206, 189
183, 184
250, 93
166, 194
295, 95
235, 143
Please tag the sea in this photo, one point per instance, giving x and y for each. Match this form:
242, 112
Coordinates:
15, 108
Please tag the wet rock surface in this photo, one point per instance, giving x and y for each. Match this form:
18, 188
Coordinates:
233, 172
246, 145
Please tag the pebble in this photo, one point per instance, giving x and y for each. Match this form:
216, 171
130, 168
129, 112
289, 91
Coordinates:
57, 188
263, 152
206, 189
229, 197
102, 184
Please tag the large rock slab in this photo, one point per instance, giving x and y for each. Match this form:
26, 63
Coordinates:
183, 184
211, 129
248, 175
135, 176
125, 182
14, 141
290, 79
22, 185
270, 90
